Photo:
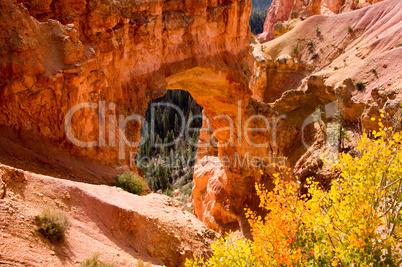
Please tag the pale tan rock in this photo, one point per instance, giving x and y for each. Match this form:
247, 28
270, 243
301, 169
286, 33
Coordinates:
209, 180
281, 11
280, 28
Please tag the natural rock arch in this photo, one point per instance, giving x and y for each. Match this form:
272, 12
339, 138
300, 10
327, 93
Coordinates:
61, 56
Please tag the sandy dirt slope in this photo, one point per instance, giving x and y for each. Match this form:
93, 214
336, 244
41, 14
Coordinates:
363, 46
123, 228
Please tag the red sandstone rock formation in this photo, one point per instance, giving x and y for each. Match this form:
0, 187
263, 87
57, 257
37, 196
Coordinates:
118, 56
126, 53
283, 10
57, 55
210, 179
289, 85
278, 12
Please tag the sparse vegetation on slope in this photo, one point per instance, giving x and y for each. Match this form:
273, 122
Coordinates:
130, 182
296, 47
94, 261
360, 85
142, 264
52, 224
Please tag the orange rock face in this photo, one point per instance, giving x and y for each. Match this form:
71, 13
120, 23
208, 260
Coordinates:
115, 55
283, 10
210, 179
73, 71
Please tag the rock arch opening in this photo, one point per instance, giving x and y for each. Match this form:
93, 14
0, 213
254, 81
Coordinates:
168, 147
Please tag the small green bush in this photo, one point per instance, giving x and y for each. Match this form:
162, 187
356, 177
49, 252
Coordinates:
336, 68
360, 85
296, 47
317, 30
350, 29
169, 192
373, 70
95, 262
187, 189
130, 182
310, 43
399, 45
52, 225
315, 55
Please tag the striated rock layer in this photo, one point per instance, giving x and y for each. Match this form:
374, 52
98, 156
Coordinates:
283, 10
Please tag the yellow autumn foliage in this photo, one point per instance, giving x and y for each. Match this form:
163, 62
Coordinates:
357, 222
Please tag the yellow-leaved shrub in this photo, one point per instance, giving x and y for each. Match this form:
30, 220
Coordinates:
357, 222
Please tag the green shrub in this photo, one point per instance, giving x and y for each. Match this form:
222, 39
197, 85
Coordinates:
95, 262
360, 85
315, 55
336, 68
169, 192
350, 29
310, 44
130, 182
296, 47
317, 30
52, 224
399, 45
187, 189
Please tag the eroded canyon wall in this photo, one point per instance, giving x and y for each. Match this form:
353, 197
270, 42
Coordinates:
284, 10
115, 55
103, 61
310, 85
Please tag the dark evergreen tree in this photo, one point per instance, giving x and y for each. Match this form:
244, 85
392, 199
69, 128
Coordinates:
258, 15
173, 164
177, 127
